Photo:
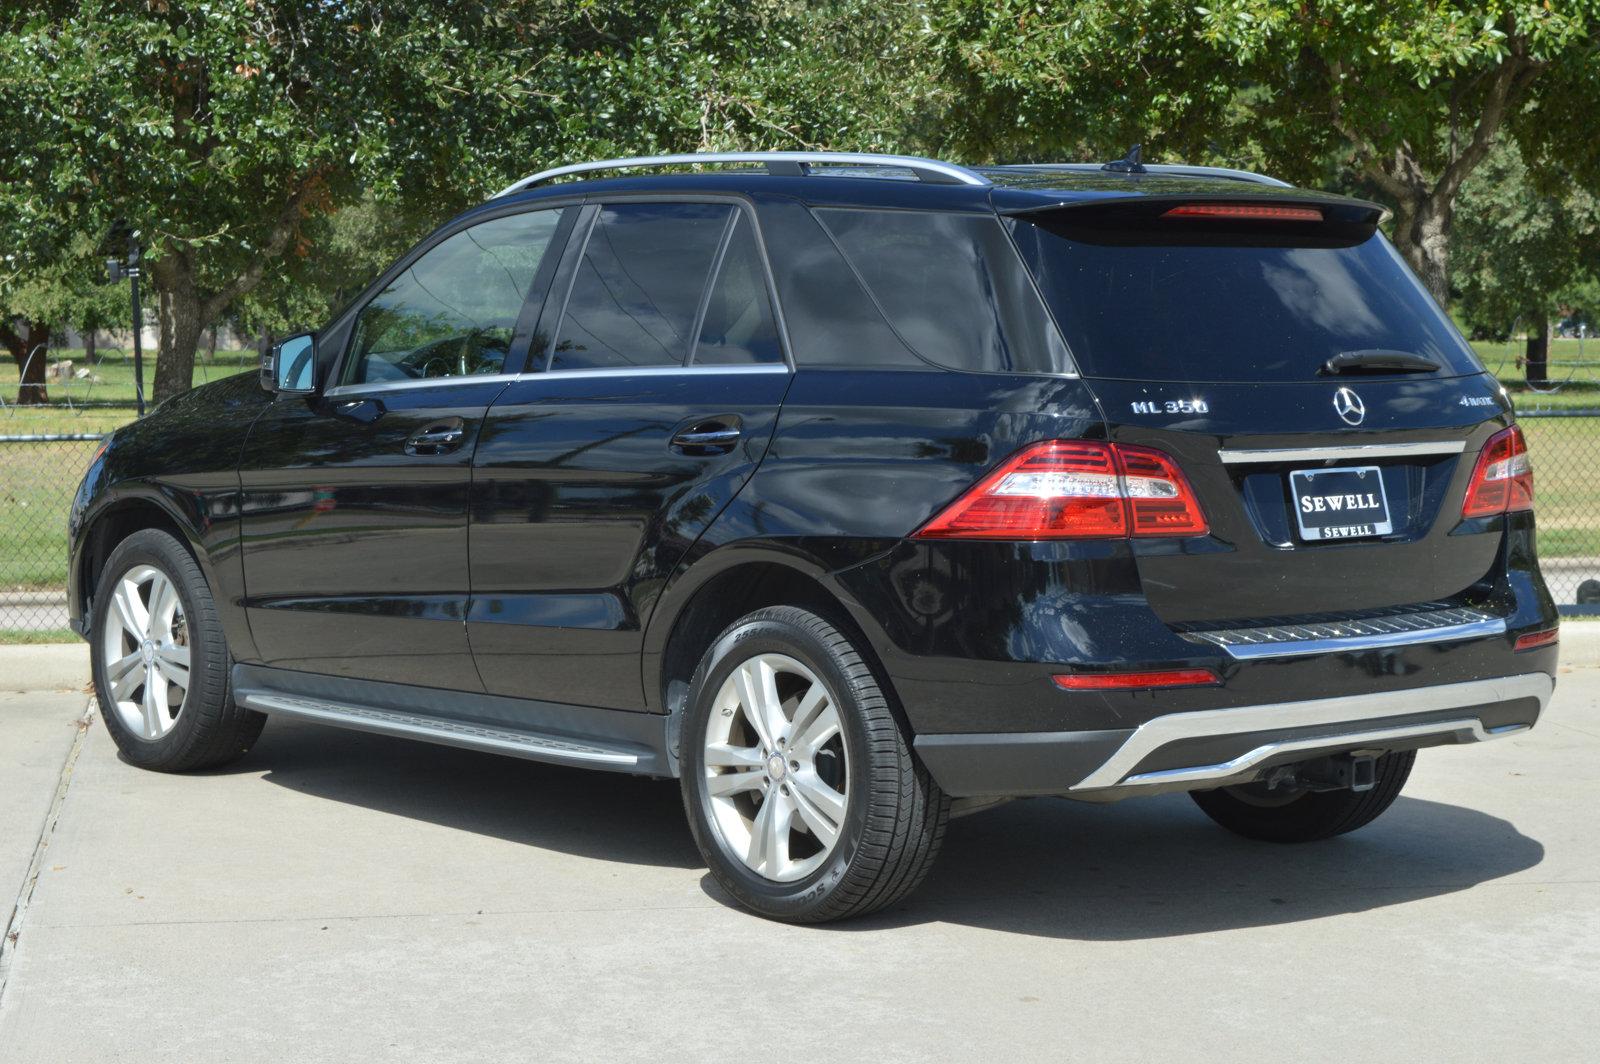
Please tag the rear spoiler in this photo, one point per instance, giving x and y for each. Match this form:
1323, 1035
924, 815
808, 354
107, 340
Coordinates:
1180, 194
1209, 209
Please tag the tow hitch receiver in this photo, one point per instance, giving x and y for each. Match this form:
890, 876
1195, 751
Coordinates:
1344, 772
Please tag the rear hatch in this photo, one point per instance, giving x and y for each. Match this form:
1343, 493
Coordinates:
1326, 412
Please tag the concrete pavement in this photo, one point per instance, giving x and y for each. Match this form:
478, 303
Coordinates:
339, 897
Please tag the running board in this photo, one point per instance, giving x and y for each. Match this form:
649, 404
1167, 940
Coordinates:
616, 753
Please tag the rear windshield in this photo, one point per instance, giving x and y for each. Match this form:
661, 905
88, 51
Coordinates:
1217, 308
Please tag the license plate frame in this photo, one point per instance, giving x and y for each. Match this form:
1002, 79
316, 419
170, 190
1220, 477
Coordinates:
1346, 485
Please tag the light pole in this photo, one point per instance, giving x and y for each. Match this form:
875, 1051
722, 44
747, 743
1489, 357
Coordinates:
116, 271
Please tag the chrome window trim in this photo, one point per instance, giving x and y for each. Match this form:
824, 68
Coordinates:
927, 170
1354, 710
564, 374
1354, 451
422, 382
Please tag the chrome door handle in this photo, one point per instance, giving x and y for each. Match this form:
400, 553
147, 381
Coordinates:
707, 438
441, 437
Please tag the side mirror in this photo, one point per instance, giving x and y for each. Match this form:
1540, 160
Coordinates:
290, 368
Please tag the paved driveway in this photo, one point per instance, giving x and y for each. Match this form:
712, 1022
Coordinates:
345, 897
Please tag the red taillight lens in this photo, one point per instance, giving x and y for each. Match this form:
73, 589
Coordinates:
1071, 489
1252, 211
1158, 494
1502, 481
1122, 681
1537, 639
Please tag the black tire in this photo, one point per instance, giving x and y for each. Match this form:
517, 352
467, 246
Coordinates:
895, 814
208, 728
1252, 811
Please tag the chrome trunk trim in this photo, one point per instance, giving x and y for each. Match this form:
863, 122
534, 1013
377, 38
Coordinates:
1437, 625
1350, 452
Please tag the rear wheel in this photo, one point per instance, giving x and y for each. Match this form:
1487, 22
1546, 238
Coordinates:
800, 786
1289, 815
160, 661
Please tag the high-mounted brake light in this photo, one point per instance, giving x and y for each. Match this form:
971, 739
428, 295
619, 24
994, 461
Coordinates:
1074, 489
1253, 211
1123, 681
1502, 481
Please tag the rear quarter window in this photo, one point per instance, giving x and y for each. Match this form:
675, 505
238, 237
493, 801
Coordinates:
951, 286
1220, 309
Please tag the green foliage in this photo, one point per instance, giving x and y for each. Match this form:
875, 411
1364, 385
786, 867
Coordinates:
1522, 253
228, 132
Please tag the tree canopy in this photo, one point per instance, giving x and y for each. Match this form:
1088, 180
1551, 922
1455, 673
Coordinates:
1407, 97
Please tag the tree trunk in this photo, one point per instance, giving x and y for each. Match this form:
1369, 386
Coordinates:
179, 310
1536, 360
88, 347
211, 346
1422, 236
29, 355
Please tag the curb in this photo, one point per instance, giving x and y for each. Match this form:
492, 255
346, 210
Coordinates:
44, 667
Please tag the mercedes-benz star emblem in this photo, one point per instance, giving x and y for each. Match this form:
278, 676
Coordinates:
1348, 405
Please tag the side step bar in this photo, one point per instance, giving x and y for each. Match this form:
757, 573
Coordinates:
583, 744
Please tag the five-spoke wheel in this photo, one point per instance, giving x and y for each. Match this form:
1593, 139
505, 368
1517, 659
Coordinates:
146, 651
799, 781
777, 767
161, 662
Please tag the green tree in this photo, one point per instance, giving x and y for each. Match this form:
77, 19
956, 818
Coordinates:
71, 292
1409, 96
1524, 253
222, 131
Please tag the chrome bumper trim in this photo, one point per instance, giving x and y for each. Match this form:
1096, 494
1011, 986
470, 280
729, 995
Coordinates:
1353, 452
1372, 633
1465, 731
1357, 711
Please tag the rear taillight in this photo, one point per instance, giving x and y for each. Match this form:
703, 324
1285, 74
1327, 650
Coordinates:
1073, 489
1502, 481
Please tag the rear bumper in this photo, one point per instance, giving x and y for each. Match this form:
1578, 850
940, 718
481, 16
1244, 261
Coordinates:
1215, 747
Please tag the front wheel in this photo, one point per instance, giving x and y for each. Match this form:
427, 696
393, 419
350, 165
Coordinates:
800, 786
1286, 815
161, 663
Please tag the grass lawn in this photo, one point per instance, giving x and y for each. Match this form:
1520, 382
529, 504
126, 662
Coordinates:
14, 636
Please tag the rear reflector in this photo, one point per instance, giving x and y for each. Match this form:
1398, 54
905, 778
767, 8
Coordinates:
1122, 681
1537, 639
1074, 489
1253, 211
1502, 481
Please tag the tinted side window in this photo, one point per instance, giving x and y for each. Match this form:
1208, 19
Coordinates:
639, 284
453, 311
737, 326
952, 287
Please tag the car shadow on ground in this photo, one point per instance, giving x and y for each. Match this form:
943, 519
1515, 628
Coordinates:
1138, 869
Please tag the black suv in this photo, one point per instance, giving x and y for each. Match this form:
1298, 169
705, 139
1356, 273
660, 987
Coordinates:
856, 492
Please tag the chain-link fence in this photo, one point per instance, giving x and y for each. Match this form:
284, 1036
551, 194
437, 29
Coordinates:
38, 475
1565, 446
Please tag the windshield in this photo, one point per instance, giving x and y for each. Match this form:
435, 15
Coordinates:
1215, 308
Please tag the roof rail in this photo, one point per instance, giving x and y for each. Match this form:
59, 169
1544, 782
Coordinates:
1168, 169
780, 163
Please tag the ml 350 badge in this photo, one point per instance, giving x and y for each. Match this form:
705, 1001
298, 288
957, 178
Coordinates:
1340, 503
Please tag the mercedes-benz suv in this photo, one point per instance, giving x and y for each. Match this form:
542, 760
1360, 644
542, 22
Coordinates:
855, 492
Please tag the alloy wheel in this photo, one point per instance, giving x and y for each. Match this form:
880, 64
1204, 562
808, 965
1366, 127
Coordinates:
145, 648
777, 768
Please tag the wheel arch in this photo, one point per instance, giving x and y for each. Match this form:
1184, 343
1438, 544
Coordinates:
726, 585
131, 511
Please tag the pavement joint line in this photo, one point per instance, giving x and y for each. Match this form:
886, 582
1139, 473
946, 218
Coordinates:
357, 918
19, 909
1573, 727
